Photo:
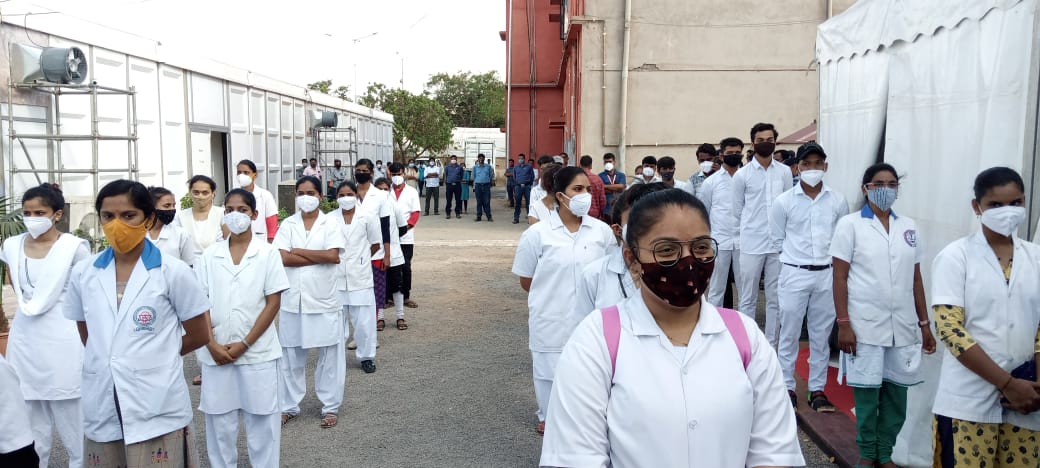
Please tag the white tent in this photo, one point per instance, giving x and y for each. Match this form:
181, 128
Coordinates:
940, 89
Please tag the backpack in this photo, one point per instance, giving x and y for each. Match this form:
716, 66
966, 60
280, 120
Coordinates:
612, 333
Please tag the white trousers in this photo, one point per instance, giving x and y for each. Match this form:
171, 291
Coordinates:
263, 439
330, 375
805, 295
398, 306
724, 260
64, 415
544, 366
363, 320
751, 267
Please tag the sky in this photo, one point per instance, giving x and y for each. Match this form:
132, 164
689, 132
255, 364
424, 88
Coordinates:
302, 41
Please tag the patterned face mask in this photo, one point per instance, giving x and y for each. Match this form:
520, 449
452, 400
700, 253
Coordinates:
679, 285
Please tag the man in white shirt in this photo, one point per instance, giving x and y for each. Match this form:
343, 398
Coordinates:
666, 168
717, 194
408, 202
801, 225
648, 173
433, 187
755, 187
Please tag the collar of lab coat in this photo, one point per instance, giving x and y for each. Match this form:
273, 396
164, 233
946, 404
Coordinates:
643, 323
151, 256
616, 262
868, 213
981, 246
557, 223
224, 251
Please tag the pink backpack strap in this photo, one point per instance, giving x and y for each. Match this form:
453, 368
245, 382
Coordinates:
612, 334
735, 325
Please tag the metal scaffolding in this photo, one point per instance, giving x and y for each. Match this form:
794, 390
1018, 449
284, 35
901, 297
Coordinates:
324, 137
56, 137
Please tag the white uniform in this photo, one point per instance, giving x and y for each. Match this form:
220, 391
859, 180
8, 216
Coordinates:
604, 282
203, 233
801, 228
408, 203
716, 192
265, 208
1001, 316
667, 405
310, 317
880, 297
175, 242
133, 348
537, 209
553, 257
44, 347
754, 189
13, 435
355, 280
398, 219
249, 386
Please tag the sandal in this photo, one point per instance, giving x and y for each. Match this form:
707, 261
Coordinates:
328, 420
197, 380
380, 325
540, 428
401, 324
819, 402
286, 417
411, 304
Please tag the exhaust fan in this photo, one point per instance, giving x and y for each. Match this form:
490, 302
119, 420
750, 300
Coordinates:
324, 119
50, 64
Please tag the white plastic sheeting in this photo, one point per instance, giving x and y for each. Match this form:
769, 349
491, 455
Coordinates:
945, 84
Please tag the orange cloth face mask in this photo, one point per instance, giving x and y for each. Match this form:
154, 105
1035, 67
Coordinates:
124, 237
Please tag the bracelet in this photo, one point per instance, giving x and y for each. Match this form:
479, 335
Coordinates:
924, 323
246, 343
1010, 378
843, 320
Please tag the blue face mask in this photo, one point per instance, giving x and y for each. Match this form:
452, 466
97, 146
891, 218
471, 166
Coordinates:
882, 197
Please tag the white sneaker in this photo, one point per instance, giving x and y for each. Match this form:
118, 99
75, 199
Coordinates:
351, 344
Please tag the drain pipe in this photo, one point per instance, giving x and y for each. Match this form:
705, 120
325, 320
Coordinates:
509, 82
623, 140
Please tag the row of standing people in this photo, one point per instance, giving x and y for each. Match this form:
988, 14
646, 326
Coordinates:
110, 329
859, 271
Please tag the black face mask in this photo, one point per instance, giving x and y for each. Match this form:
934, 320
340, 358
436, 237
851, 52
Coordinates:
362, 177
667, 175
166, 216
731, 159
765, 149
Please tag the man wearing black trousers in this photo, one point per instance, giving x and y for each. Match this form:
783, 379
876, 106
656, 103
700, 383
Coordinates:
453, 187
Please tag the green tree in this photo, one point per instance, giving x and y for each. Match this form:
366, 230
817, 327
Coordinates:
421, 124
325, 87
471, 100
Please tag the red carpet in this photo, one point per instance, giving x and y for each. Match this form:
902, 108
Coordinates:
840, 395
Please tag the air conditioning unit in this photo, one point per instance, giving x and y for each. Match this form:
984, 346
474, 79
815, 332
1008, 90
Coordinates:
324, 119
51, 64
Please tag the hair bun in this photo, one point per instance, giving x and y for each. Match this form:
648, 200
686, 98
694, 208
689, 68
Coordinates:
52, 186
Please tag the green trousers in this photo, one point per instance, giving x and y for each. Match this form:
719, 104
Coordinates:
880, 413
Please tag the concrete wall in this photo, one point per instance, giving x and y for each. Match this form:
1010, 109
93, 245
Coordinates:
699, 71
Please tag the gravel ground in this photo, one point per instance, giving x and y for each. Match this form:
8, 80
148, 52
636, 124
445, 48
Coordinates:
452, 390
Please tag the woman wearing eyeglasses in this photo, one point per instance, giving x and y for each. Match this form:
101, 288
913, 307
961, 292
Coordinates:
986, 297
548, 261
881, 312
674, 381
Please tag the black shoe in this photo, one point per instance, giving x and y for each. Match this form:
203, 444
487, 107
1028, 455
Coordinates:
794, 398
436, 213
458, 216
490, 220
819, 402
477, 220
447, 217
426, 213
516, 221
368, 366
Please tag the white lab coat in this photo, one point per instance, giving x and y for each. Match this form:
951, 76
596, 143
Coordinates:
355, 264
604, 282
175, 242
408, 203
397, 220
203, 234
553, 258
239, 294
310, 289
134, 347
657, 410
265, 208
44, 346
1001, 316
377, 205
13, 435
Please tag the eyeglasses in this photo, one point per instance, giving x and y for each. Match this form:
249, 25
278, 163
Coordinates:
667, 253
875, 185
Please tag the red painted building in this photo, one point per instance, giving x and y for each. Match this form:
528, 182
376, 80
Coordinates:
542, 77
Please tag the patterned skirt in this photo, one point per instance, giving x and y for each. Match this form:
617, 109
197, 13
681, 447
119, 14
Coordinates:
379, 277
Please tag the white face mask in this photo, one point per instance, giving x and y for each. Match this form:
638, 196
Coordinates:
454, 162
347, 203
706, 166
244, 180
307, 203
1004, 220
608, 167
37, 226
397, 180
812, 177
579, 204
237, 222
648, 172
